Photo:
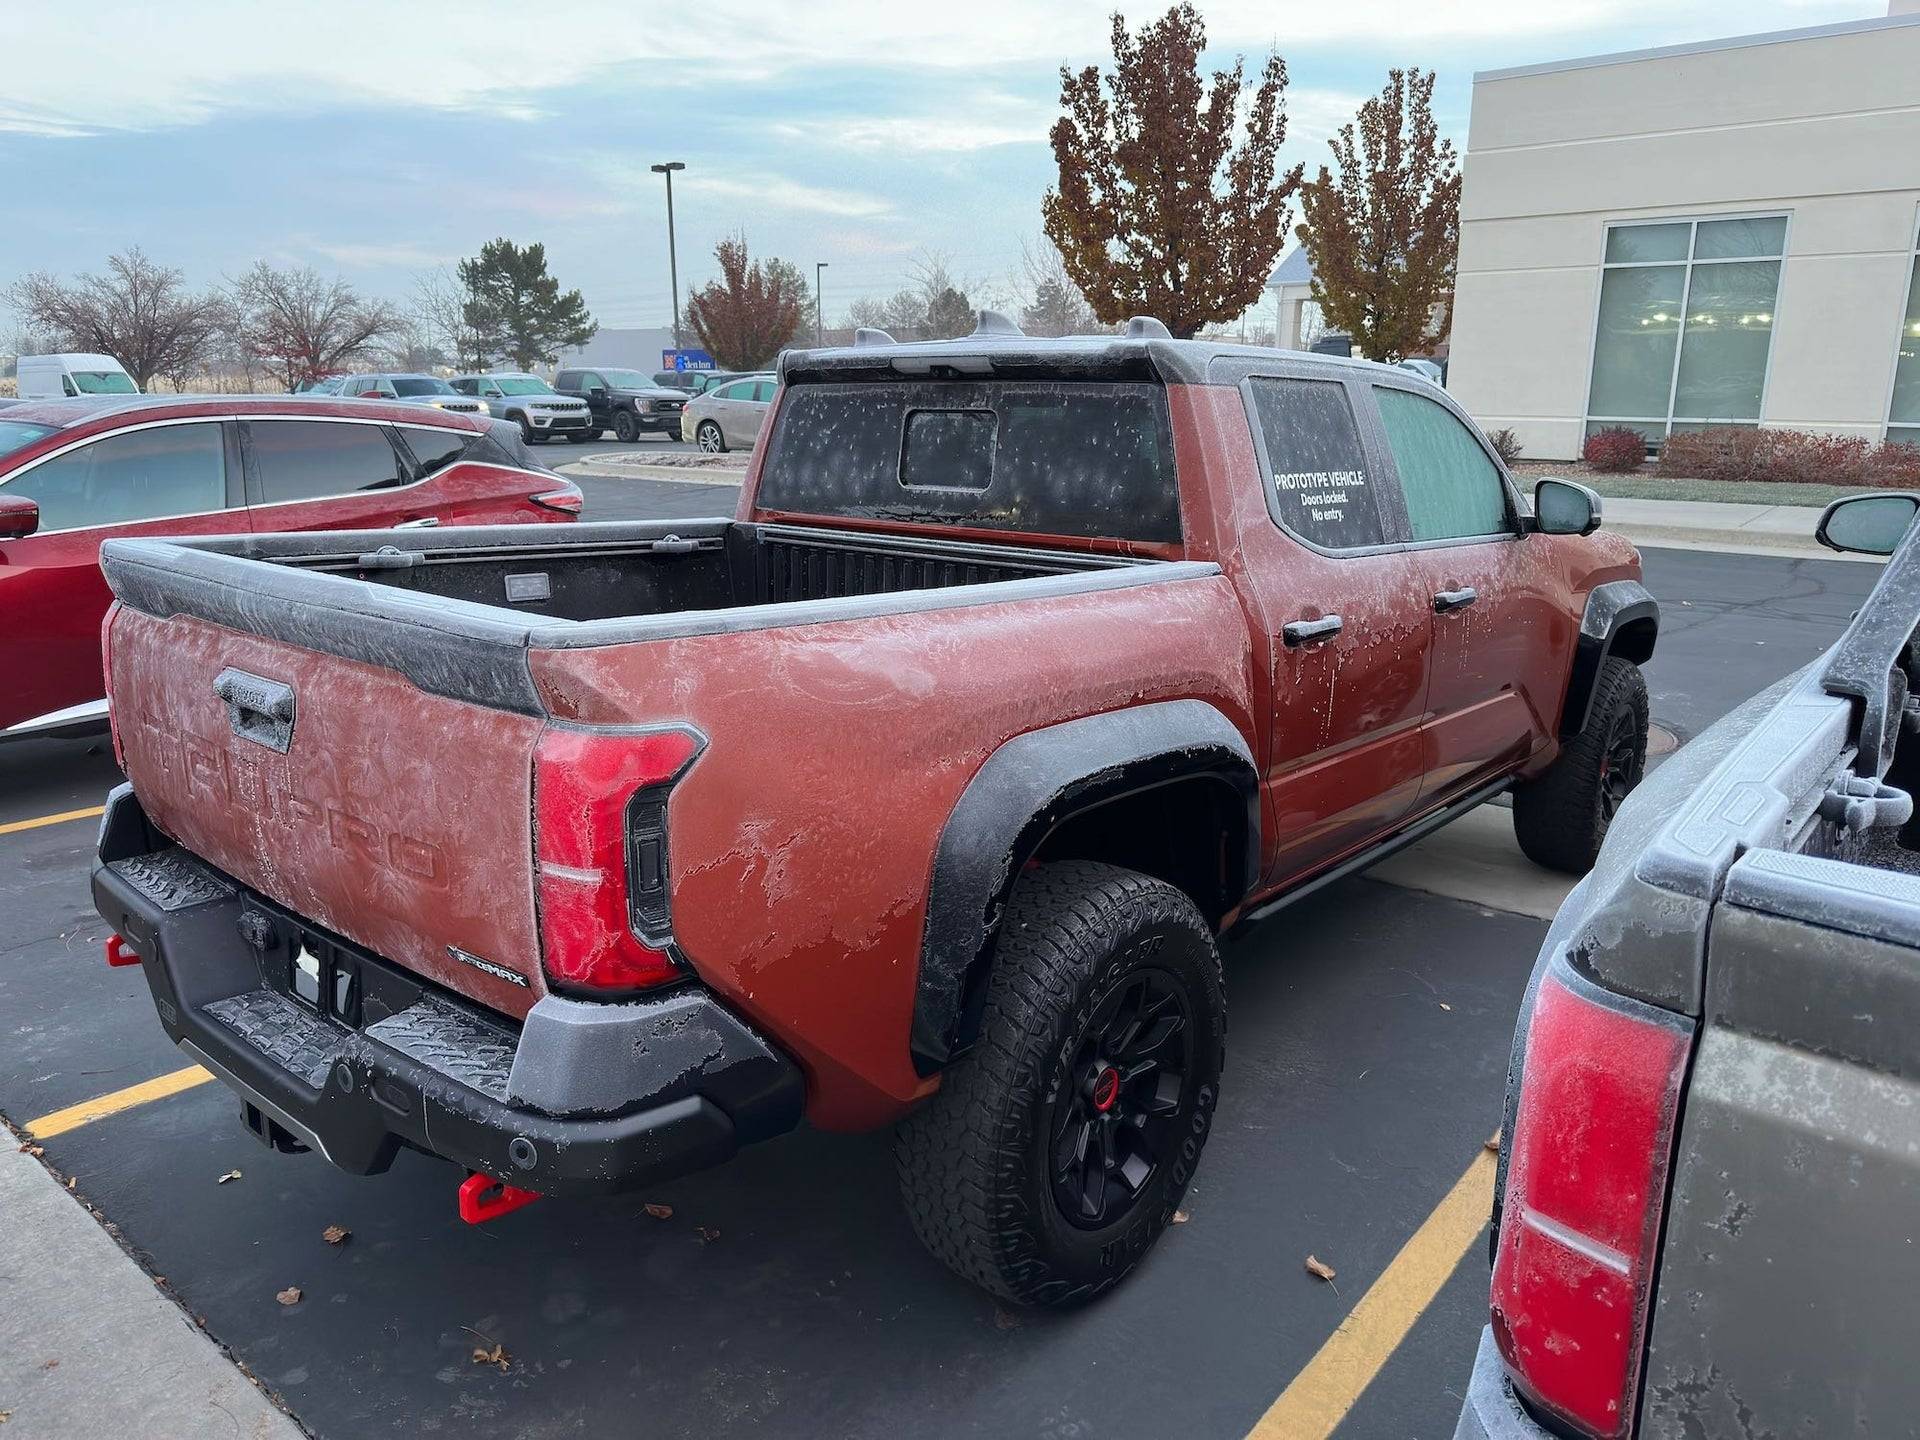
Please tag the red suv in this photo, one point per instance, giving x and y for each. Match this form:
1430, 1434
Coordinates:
76, 472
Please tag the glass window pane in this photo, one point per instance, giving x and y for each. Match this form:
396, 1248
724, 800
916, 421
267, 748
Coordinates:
1633, 342
948, 449
1723, 354
140, 475
1452, 489
433, 448
1737, 239
1319, 472
303, 459
1906, 374
1646, 242
1652, 431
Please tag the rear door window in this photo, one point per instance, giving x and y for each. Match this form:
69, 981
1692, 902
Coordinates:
434, 448
306, 459
1452, 487
136, 475
1318, 485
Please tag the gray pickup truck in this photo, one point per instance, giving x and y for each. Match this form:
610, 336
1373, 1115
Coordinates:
1707, 1211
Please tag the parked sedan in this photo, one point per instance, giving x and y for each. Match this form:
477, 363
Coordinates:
1703, 1216
76, 472
411, 389
729, 414
536, 407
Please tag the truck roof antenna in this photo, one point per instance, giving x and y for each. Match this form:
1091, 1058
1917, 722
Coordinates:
992, 322
1145, 327
868, 336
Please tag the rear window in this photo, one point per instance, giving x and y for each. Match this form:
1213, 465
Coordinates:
1081, 459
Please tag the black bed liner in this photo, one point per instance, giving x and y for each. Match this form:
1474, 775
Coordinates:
379, 596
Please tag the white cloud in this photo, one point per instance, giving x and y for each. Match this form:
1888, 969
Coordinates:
772, 192
184, 61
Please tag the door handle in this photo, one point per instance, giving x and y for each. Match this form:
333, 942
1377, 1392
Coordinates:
423, 523
1311, 632
1459, 599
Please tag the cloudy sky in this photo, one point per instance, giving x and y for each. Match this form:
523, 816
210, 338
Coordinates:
381, 139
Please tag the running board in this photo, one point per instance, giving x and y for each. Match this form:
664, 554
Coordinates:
84, 719
1415, 832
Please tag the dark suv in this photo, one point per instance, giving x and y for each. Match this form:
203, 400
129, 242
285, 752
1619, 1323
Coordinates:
624, 401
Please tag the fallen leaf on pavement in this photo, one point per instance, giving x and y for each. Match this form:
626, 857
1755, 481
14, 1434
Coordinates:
707, 1237
1179, 1217
72, 1180
230, 1175
336, 1234
5, 1415
289, 1296
496, 1356
1493, 1142
660, 1212
1445, 1006
1319, 1267
34, 1150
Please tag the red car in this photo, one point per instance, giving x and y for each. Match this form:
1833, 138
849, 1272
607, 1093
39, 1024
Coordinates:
76, 472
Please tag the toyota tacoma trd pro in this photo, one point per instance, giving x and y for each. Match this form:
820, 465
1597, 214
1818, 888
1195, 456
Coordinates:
915, 795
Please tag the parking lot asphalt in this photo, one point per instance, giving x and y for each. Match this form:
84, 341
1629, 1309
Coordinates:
1366, 1057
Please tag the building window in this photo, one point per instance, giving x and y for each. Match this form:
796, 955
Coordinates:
1685, 322
1903, 416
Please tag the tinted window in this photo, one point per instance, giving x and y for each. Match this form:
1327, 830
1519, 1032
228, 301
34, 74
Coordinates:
1316, 470
421, 385
948, 449
466, 387
302, 459
567, 380
1452, 488
433, 448
1087, 458
17, 435
139, 475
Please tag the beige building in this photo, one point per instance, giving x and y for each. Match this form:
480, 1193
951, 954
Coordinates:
1719, 233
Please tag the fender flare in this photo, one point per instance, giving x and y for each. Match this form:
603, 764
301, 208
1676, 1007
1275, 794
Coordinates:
1016, 799
1604, 630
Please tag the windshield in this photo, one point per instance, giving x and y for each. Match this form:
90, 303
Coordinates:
627, 380
104, 382
522, 385
17, 435
421, 385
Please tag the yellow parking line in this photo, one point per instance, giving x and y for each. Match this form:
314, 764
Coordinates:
1320, 1396
101, 1106
12, 826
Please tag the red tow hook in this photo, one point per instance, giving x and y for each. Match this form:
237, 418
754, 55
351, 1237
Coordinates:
119, 952
483, 1198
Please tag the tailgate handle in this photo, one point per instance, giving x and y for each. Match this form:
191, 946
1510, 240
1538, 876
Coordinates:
259, 709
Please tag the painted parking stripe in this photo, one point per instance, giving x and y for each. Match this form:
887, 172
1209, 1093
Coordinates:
101, 1106
1320, 1396
14, 826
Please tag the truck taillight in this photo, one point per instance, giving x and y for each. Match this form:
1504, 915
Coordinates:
1586, 1184
600, 851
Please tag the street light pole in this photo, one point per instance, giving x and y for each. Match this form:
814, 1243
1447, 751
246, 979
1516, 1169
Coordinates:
819, 311
673, 261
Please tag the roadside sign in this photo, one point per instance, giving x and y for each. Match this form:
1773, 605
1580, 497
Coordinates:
685, 360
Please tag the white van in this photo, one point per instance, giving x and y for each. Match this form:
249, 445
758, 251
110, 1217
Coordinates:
49, 377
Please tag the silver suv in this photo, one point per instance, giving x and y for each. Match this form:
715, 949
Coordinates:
531, 403
409, 389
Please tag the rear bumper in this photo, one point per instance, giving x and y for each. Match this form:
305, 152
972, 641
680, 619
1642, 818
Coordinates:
1491, 1411
584, 1098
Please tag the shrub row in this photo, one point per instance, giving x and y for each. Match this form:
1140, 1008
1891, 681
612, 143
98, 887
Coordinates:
1778, 457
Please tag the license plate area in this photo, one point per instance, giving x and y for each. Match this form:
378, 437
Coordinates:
323, 976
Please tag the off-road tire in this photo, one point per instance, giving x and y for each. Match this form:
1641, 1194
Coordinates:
626, 429
1561, 818
977, 1162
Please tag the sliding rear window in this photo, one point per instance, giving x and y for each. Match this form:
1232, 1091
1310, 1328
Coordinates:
1087, 459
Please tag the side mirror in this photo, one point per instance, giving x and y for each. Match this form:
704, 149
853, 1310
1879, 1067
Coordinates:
1561, 507
19, 517
599, 390
1867, 524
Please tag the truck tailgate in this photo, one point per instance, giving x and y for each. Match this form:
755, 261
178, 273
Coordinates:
395, 818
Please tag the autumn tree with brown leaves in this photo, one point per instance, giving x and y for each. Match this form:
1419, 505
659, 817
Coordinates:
1384, 235
1158, 212
751, 312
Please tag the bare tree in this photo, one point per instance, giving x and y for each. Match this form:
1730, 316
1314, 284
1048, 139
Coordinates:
139, 312
867, 313
1054, 304
298, 324
441, 311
